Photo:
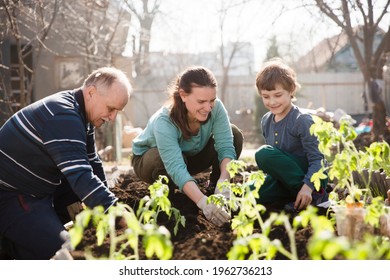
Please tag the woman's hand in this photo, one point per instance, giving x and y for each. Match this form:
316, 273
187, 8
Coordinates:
215, 214
224, 191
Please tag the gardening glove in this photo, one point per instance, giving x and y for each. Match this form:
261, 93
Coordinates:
225, 191
217, 215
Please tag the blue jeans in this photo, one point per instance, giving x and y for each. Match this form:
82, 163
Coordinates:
30, 226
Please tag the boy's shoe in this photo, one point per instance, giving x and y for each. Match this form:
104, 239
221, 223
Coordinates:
330, 187
320, 199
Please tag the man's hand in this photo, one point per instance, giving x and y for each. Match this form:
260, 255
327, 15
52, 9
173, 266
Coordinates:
74, 209
212, 212
121, 222
303, 198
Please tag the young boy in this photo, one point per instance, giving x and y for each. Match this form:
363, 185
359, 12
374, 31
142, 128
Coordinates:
290, 155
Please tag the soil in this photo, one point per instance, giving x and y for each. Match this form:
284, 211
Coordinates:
199, 239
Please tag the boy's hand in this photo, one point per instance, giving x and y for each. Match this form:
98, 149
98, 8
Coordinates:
387, 200
303, 198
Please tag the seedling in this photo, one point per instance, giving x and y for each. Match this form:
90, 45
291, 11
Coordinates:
151, 206
139, 226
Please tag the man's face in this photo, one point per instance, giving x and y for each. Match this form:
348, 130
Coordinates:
103, 103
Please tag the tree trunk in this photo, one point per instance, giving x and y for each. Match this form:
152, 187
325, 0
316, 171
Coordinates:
380, 131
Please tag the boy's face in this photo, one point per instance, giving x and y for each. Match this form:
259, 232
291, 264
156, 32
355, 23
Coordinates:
278, 101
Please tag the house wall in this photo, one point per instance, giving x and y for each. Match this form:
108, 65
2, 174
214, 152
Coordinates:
67, 62
149, 94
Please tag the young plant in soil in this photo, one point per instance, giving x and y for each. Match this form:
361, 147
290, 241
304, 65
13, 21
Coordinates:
325, 244
248, 213
152, 206
156, 239
357, 200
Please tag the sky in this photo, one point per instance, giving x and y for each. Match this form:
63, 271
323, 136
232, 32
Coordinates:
193, 26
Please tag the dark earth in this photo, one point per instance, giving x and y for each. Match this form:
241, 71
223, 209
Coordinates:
199, 239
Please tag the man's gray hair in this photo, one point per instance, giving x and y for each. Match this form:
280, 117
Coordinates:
106, 76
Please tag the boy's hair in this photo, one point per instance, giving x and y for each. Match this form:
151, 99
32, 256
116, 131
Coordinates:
275, 72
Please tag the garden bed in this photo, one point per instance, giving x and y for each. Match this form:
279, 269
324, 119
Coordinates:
199, 239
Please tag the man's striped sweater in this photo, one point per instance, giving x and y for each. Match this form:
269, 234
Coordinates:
49, 141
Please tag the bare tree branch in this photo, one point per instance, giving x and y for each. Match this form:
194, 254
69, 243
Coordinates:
368, 59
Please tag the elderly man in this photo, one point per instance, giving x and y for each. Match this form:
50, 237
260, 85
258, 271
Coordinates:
48, 161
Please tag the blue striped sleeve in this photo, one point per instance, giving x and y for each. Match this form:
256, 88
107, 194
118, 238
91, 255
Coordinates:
65, 140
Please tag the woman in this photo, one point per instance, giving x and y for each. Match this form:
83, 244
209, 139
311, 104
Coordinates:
188, 136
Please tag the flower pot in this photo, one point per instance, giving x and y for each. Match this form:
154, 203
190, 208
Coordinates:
350, 222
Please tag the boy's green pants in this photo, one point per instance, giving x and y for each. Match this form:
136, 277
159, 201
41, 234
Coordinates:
284, 175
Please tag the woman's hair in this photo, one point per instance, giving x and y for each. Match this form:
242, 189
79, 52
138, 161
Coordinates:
195, 76
105, 77
275, 72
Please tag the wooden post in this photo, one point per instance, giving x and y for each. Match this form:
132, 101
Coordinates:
118, 138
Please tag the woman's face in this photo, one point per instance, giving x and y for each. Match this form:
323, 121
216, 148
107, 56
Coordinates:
199, 103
